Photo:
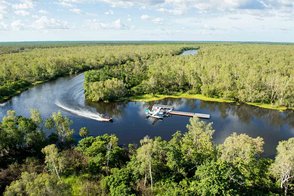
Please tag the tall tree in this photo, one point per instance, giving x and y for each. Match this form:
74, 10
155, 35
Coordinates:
151, 158
61, 125
196, 144
244, 153
241, 148
53, 160
144, 157
36, 117
283, 166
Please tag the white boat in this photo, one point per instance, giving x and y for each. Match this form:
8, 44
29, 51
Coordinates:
154, 113
163, 108
158, 111
105, 118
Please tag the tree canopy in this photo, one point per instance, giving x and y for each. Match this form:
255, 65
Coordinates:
190, 163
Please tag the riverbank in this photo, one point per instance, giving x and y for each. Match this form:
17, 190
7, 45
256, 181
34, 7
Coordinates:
20, 90
155, 97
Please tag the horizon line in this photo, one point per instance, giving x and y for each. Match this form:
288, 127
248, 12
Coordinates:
112, 41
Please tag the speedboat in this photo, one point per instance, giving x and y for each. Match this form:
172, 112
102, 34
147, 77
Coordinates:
105, 118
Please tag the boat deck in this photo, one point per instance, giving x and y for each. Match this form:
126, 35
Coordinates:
190, 114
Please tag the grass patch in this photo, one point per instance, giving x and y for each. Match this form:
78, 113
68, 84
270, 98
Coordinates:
39, 82
270, 106
155, 97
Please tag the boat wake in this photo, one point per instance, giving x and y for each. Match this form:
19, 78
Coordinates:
73, 100
81, 112
3, 104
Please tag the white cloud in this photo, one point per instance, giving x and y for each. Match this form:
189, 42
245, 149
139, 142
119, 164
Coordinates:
3, 26
3, 8
17, 25
75, 10
109, 12
119, 25
174, 11
132, 2
49, 23
157, 20
119, 3
43, 12
69, 3
222, 19
24, 4
178, 7
145, 17
22, 12
115, 25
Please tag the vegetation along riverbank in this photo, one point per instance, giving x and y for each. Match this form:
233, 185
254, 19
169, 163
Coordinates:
23, 65
258, 74
33, 164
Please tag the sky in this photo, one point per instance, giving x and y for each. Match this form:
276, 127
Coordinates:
167, 20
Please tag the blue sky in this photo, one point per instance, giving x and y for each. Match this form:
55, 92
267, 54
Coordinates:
187, 20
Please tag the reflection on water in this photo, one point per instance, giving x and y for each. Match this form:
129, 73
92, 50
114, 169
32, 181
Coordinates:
130, 123
115, 110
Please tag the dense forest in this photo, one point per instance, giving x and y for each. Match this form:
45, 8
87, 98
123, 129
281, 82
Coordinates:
24, 66
187, 164
259, 73
237, 72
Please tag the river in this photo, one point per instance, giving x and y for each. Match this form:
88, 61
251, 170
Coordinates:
130, 124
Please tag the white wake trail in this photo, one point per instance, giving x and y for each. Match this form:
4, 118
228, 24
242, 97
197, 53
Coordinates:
81, 112
3, 104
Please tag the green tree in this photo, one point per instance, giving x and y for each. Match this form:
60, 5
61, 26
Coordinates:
61, 125
244, 153
73, 161
150, 159
53, 160
168, 187
120, 182
238, 149
19, 137
110, 89
175, 160
90, 188
144, 157
13, 171
83, 132
283, 166
42, 184
218, 178
196, 144
36, 117
102, 152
